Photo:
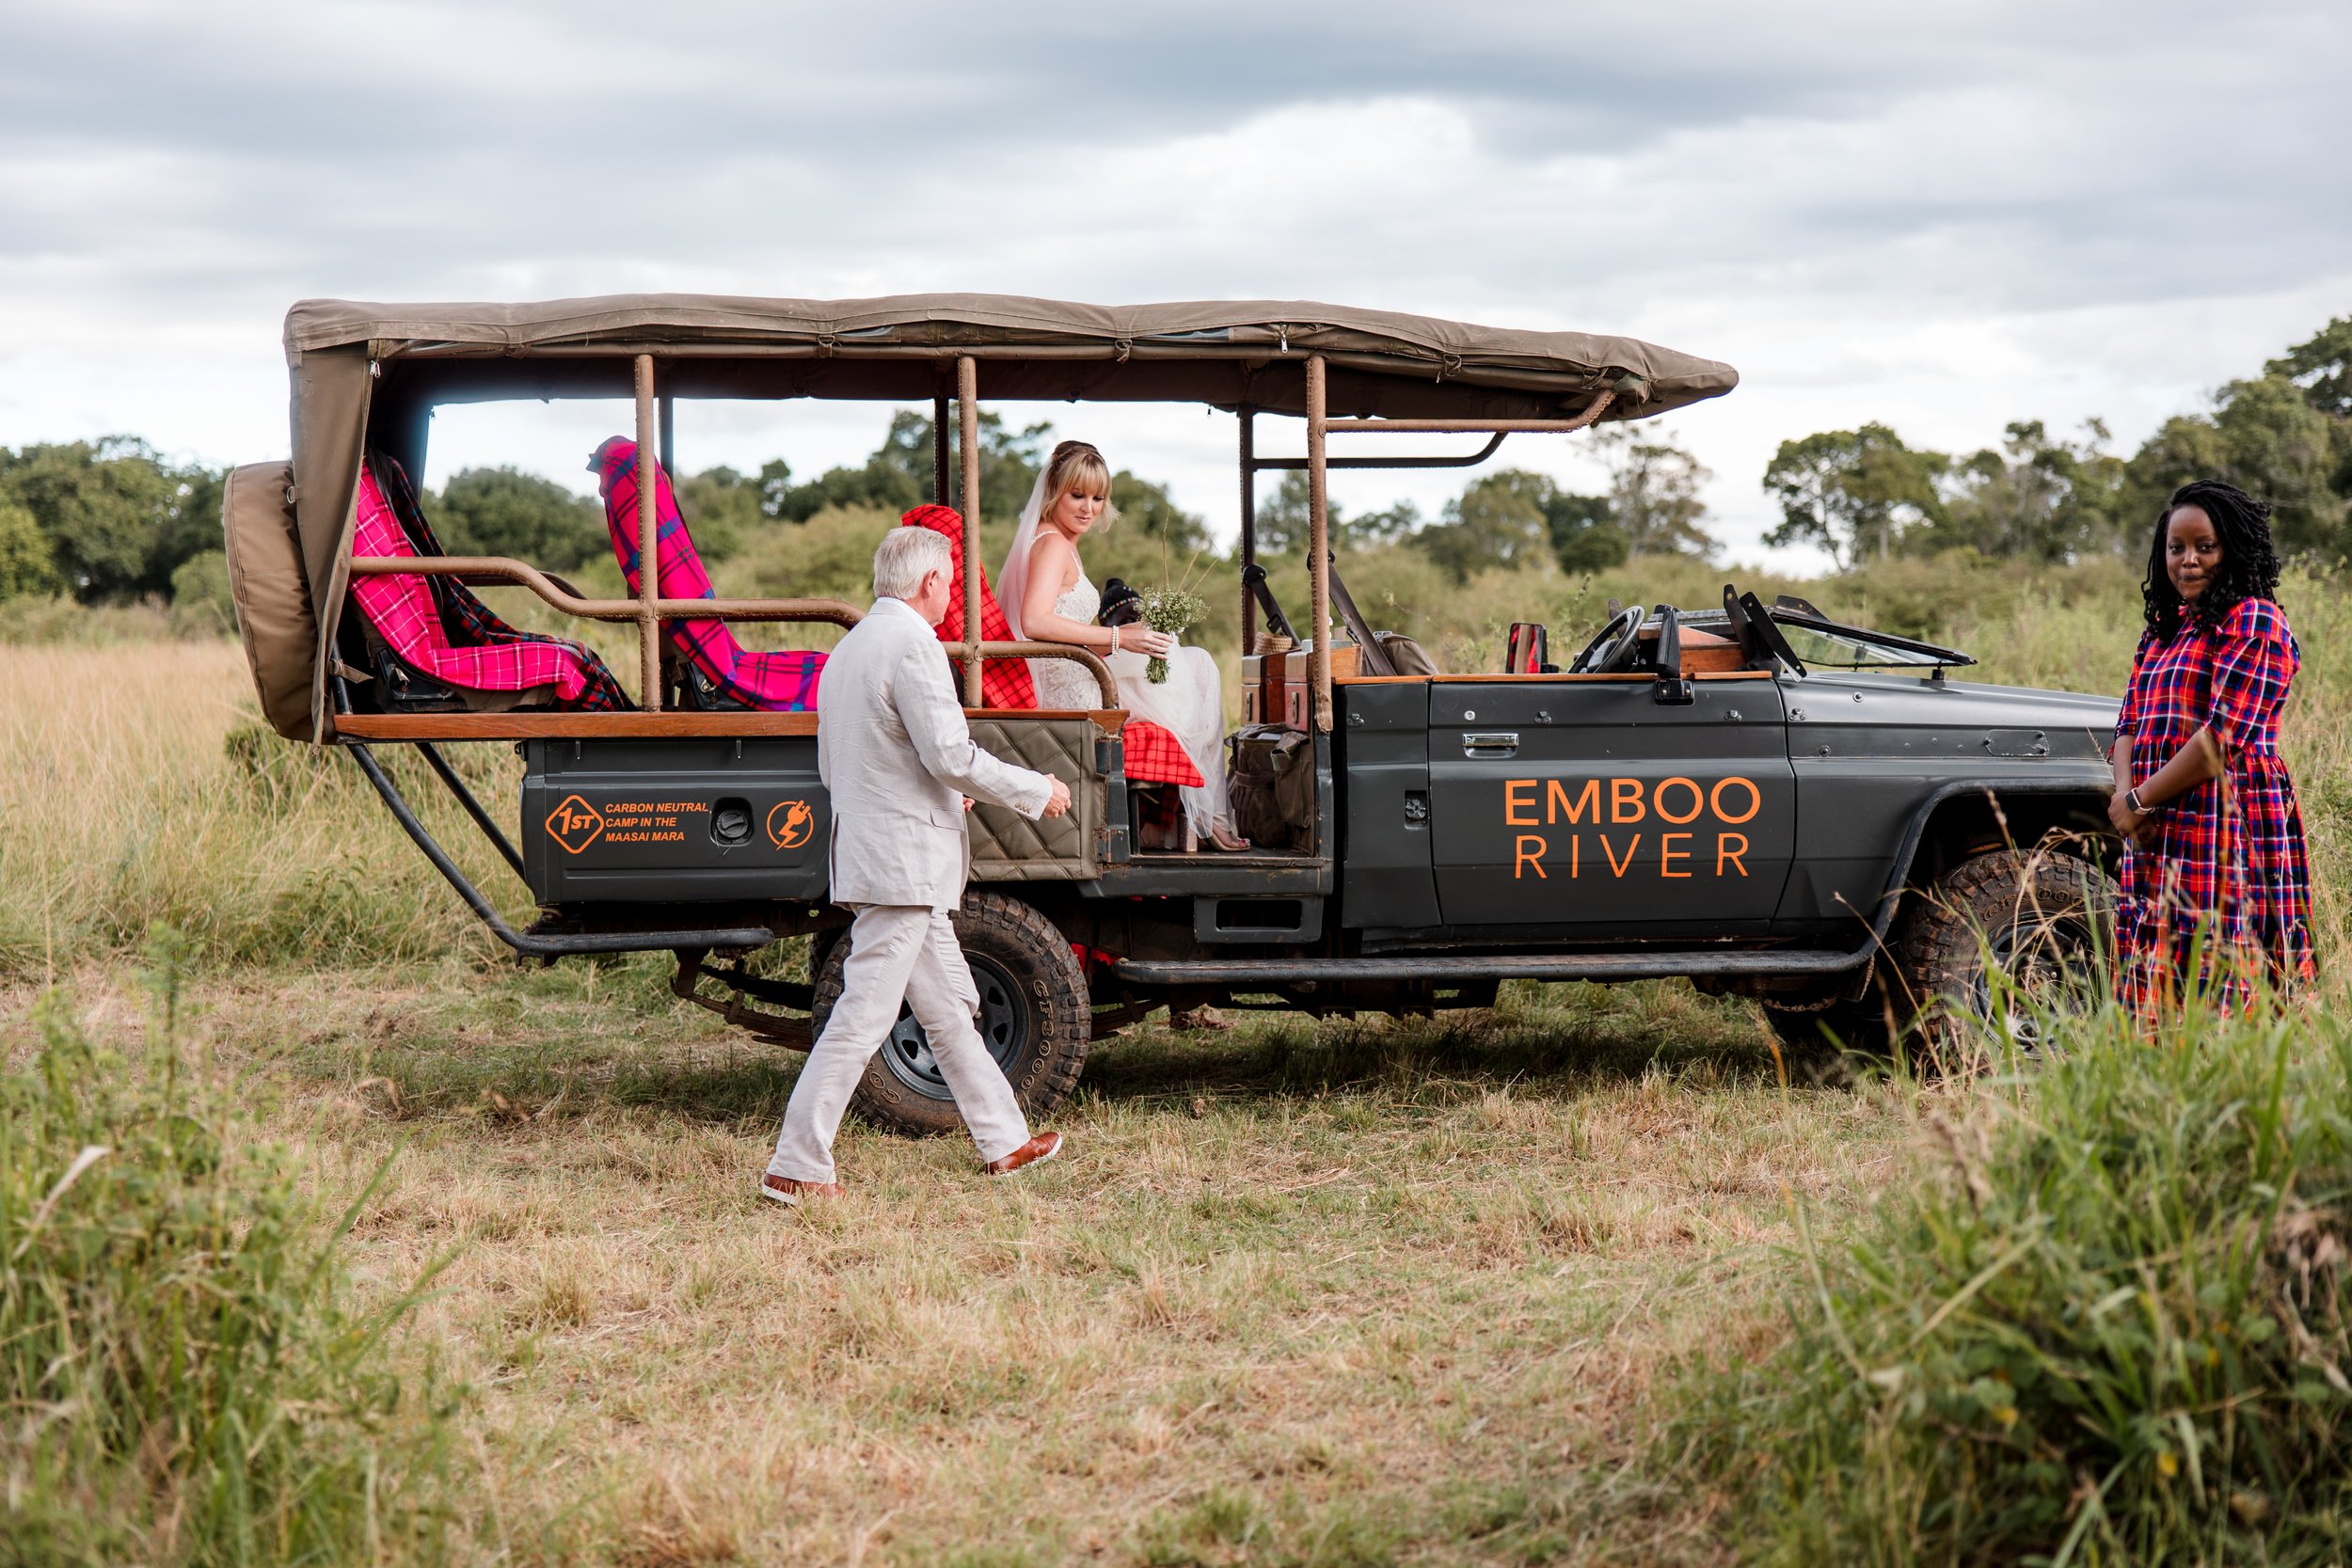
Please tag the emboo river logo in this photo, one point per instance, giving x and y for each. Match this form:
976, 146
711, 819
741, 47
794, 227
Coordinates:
1675, 802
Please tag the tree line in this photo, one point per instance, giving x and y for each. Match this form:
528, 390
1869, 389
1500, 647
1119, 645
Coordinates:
112, 520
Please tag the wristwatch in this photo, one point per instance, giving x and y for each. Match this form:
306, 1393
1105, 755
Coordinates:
2131, 803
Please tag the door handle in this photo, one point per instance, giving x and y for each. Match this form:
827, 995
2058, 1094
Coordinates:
1490, 743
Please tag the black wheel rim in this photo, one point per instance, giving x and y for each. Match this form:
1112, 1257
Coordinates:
2053, 969
1005, 1023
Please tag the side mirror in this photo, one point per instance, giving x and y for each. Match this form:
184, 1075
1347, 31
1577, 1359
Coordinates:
1673, 685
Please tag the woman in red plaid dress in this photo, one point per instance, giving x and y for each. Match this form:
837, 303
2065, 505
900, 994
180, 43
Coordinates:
2217, 890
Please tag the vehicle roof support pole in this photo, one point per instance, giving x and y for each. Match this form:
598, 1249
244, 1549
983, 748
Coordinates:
648, 547
939, 445
968, 427
1249, 524
1318, 547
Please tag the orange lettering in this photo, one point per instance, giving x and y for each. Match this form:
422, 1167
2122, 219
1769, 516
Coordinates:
1623, 793
1756, 801
1657, 799
1513, 805
1556, 801
1576, 855
1724, 851
1615, 865
1667, 853
1525, 857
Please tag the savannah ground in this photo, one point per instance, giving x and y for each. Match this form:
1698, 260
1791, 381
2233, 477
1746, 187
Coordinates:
1348, 1293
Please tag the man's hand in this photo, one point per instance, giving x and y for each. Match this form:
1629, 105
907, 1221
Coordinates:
1057, 802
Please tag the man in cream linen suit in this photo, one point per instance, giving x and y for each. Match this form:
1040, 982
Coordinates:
899, 762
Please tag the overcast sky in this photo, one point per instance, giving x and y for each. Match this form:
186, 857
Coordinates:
1941, 217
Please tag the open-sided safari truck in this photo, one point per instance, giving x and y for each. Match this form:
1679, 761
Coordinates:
1739, 794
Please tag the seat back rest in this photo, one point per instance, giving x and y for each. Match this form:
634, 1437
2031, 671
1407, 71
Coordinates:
1004, 682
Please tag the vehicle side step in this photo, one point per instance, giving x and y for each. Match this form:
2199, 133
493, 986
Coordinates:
1537, 966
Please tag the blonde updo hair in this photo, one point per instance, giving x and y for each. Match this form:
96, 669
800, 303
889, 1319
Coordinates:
1076, 463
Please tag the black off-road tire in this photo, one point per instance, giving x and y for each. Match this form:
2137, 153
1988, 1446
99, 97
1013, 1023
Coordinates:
1035, 1018
2042, 914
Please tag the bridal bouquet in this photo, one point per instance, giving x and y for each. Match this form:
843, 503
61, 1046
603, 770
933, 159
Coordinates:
1171, 611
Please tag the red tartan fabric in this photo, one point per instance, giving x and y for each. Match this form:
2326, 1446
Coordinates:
1155, 755
403, 613
1004, 682
775, 682
2224, 892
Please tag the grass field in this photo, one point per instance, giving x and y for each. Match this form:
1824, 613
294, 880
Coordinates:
1338, 1293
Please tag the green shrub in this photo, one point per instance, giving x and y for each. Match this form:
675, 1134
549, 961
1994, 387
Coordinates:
183, 1375
2110, 1327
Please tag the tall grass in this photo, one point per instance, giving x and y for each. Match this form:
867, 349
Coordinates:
2106, 1321
182, 1377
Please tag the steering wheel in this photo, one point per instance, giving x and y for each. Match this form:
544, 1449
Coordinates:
1615, 645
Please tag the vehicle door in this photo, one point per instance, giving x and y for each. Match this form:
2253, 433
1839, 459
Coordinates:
1597, 806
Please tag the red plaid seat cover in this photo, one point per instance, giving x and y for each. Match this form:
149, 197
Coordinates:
775, 682
404, 612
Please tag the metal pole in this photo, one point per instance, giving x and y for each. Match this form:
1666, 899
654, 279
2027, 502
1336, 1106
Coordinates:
1249, 524
939, 450
1318, 548
968, 425
648, 547
669, 436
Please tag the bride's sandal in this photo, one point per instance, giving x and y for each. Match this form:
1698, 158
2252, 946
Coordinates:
1226, 839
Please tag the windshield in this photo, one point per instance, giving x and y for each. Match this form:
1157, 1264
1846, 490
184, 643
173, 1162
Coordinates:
1844, 650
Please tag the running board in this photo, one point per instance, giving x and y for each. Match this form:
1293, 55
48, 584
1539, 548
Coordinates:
1542, 966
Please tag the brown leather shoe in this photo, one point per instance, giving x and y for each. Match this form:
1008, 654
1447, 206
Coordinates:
784, 1189
1035, 1152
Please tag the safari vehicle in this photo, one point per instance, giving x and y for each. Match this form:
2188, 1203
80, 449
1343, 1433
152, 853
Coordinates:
1752, 796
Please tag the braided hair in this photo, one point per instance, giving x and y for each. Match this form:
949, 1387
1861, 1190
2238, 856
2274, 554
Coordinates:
2250, 565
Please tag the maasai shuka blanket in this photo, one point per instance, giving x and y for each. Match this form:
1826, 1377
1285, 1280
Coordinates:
410, 618
1004, 682
2223, 894
1155, 755
784, 682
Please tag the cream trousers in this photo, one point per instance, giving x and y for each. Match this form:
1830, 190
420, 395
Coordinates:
897, 952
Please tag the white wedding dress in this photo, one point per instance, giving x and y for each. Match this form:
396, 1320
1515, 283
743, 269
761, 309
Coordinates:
1190, 703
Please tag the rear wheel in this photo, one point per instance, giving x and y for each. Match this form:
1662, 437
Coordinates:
2038, 916
1035, 1020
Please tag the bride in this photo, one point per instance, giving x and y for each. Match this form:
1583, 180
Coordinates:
1047, 598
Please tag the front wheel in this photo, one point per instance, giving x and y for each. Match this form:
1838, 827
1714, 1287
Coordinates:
2041, 917
1035, 1019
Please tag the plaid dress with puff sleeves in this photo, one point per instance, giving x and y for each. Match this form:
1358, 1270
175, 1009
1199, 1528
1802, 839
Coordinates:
2224, 887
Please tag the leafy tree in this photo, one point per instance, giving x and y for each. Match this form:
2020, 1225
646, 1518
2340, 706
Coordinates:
2033, 498
26, 566
1852, 492
117, 518
1283, 518
2264, 436
200, 597
506, 512
1654, 493
1396, 521
1150, 510
2321, 365
1498, 520
899, 473
1585, 534
723, 508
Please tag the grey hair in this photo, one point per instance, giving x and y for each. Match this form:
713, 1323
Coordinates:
905, 558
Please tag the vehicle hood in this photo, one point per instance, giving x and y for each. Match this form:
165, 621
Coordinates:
2071, 723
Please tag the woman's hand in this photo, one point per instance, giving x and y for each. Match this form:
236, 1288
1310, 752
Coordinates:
2137, 825
1140, 639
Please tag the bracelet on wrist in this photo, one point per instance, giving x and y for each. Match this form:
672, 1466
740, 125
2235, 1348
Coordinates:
1114, 640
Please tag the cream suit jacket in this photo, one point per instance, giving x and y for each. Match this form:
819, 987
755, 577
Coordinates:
898, 760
